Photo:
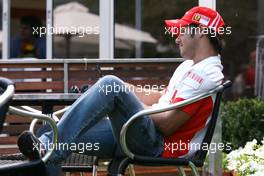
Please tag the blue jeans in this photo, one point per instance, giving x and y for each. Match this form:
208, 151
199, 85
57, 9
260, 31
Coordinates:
86, 123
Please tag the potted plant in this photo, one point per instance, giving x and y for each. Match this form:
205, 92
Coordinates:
242, 122
247, 161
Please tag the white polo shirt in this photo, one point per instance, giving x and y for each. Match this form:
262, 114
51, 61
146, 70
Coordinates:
190, 80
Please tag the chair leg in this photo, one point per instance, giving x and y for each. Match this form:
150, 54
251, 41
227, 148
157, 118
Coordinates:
123, 165
94, 170
95, 165
131, 170
181, 171
194, 169
117, 166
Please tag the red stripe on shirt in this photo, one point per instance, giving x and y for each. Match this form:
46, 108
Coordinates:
199, 112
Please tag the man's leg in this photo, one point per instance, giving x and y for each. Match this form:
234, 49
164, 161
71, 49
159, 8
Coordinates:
98, 141
142, 136
107, 96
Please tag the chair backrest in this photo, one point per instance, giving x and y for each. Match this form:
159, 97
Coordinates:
4, 83
200, 155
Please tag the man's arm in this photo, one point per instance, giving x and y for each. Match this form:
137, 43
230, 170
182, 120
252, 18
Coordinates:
168, 122
147, 96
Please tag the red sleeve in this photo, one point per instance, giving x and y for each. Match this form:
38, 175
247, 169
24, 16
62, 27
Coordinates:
191, 108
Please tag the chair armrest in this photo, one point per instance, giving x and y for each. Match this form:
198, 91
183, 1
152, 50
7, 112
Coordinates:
7, 95
40, 117
125, 127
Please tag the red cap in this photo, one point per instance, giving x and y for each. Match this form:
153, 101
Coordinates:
200, 16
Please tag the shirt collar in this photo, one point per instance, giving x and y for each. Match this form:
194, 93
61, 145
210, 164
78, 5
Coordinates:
207, 61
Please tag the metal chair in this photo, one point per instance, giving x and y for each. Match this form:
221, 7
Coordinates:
16, 164
118, 166
7, 90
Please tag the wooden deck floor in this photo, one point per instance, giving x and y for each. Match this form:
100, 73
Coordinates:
146, 171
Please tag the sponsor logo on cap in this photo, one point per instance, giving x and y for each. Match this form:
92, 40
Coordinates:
201, 19
197, 17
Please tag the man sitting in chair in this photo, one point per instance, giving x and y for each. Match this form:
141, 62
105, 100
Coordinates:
154, 135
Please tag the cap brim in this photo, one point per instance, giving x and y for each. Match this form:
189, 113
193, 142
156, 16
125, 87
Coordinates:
175, 25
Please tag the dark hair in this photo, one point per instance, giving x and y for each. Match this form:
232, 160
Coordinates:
215, 40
